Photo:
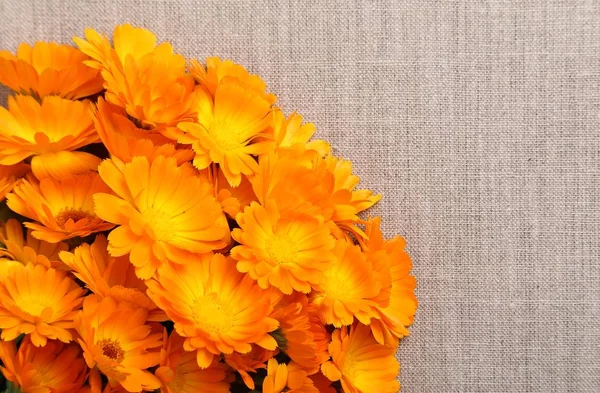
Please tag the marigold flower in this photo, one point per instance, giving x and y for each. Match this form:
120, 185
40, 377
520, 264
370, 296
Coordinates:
179, 372
360, 363
108, 276
286, 252
230, 130
38, 301
49, 131
149, 81
350, 288
116, 339
291, 132
56, 367
217, 70
15, 248
216, 308
47, 68
10, 176
391, 322
288, 378
251, 362
63, 209
165, 213
125, 141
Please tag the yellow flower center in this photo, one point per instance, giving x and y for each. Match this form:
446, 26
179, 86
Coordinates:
33, 304
225, 137
160, 223
337, 286
75, 214
112, 350
282, 249
211, 314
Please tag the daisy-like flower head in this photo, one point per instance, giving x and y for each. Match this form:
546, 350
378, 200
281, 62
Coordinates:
217, 70
10, 176
360, 363
149, 81
108, 276
251, 362
48, 132
166, 213
231, 129
216, 308
47, 68
38, 301
179, 372
391, 322
16, 249
290, 132
63, 209
286, 252
116, 339
351, 288
296, 335
125, 141
287, 378
56, 367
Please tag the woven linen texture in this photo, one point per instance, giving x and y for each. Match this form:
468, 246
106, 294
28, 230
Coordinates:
477, 120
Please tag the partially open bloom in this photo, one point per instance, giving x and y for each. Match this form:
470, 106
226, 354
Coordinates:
48, 68
15, 248
38, 301
9, 177
288, 252
108, 276
179, 372
291, 132
116, 339
49, 132
149, 81
251, 362
216, 308
391, 322
166, 213
56, 367
287, 378
350, 288
62, 209
230, 130
360, 363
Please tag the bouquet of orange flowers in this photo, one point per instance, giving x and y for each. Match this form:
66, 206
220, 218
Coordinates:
165, 227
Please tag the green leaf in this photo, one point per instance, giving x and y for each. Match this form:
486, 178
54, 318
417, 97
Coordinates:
10, 388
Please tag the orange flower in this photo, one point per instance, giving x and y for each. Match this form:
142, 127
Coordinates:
54, 368
233, 199
63, 208
360, 363
165, 213
179, 372
29, 250
38, 301
125, 141
322, 383
351, 288
230, 130
10, 176
298, 334
217, 70
149, 81
49, 131
288, 378
95, 385
48, 68
216, 308
290, 132
251, 362
391, 322
299, 178
116, 339
286, 252
108, 276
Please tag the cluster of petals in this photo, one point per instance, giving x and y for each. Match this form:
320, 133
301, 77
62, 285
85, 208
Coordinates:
165, 226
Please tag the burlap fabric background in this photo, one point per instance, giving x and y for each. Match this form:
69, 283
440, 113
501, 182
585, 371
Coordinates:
477, 120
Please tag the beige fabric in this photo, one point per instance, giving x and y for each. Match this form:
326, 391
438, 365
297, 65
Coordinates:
478, 121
